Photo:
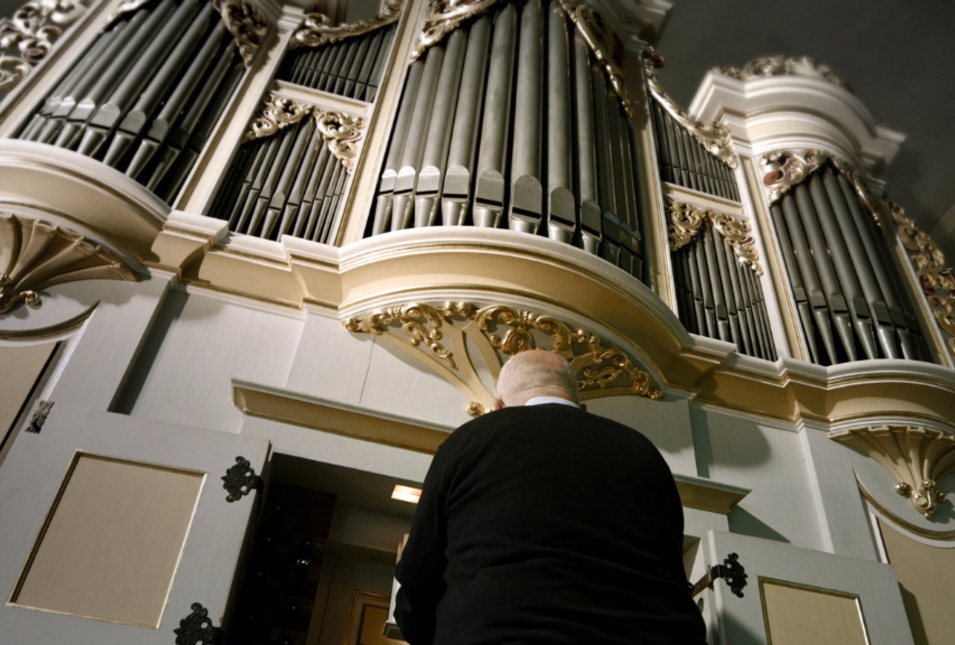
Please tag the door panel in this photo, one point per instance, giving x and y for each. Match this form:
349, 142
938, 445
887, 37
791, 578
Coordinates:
140, 530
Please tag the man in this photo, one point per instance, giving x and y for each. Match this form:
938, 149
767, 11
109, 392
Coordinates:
542, 524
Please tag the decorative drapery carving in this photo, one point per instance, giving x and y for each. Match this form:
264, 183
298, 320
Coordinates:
318, 30
27, 37
713, 136
685, 223
440, 335
782, 66
341, 132
917, 457
936, 279
35, 255
246, 24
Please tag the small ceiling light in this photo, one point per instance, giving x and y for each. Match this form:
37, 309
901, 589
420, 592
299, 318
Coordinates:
406, 494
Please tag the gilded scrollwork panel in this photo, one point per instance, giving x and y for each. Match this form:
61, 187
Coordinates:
246, 24
318, 30
35, 255
442, 17
28, 36
936, 279
341, 132
918, 458
714, 137
686, 221
440, 336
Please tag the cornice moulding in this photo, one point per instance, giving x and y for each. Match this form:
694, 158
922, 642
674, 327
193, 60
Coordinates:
80, 194
823, 106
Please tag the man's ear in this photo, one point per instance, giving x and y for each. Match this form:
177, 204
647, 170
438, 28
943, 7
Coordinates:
499, 404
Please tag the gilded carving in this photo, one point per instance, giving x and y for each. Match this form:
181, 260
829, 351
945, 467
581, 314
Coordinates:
442, 17
687, 220
277, 114
782, 66
714, 137
27, 37
604, 43
918, 458
341, 132
35, 255
246, 24
936, 279
494, 332
318, 29
785, 169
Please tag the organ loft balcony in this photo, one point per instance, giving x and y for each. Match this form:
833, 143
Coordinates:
516, 154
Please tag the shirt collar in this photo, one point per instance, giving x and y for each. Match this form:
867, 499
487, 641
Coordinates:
541, 400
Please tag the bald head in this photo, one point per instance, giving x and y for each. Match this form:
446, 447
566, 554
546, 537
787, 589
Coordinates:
536, 372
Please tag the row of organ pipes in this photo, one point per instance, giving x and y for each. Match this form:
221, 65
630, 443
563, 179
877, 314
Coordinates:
532, 138
509, 121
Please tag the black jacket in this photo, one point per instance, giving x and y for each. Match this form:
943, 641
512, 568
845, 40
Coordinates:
546, 524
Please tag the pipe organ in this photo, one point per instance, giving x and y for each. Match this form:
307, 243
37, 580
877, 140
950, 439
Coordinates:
511, 121
146, 94
241, 242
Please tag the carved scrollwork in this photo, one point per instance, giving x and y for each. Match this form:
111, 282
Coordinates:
785, 169
246, 24
687, 220
421, 324
318, 29
27, 37
442, 17
276, 114
498, 331
35, 255
937, 280
715, 137
782, 66
604, 43
341, 133
918, 458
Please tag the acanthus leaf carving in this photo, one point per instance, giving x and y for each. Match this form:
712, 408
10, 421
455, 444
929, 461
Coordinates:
246, 24
937, 280
28, 36
495, 332
276, 114
918, 458
318, 30
442, 17
782, 66
35, 255
714, 137
687, 220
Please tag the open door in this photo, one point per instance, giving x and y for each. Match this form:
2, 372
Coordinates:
797, 596
142, 539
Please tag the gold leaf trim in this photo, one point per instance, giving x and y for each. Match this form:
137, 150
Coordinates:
494, 332
714, 137
687, 220
276, 114
937, 280
318, 29
605, 45
342, 133
35, 255
28, 36
246, 24
782, 66
918, 458
444, 16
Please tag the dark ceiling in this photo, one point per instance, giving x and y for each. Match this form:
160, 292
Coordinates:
897, 57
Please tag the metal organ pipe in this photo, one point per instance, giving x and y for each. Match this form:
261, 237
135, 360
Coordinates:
539, 142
